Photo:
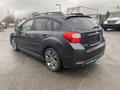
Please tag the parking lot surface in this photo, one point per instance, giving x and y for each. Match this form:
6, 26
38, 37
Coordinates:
20, 71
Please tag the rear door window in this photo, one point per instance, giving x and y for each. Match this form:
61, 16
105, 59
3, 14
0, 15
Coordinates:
56, 25
84, 23
53, 25
40, 24
50, 25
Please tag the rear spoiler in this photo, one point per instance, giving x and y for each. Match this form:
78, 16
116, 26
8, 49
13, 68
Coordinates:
72, 16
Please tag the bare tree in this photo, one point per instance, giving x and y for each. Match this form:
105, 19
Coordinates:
9, 19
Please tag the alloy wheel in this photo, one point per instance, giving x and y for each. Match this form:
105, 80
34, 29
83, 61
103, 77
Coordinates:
52, 59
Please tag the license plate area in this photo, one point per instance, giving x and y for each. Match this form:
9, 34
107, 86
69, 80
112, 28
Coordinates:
93, 40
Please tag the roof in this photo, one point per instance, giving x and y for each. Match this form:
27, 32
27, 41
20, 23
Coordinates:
60, 16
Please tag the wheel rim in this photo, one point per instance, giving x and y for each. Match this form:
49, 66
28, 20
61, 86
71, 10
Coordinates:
51, 58
13, 43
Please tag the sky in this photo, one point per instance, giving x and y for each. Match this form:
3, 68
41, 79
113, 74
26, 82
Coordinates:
21, 7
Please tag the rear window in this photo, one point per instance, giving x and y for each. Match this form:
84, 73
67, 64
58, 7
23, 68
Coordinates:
84, 23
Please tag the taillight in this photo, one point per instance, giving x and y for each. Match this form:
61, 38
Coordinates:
73, 37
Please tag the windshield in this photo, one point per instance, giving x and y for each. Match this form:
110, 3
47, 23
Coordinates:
84, 23
115, 14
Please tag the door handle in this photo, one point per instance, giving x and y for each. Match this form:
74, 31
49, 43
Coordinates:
45, 36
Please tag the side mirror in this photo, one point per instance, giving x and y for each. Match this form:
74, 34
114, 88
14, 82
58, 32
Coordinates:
18, 28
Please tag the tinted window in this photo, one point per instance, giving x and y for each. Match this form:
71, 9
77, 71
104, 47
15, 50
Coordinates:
40, 24
56, 25
27, 25
53, 25
50, 25
82, 23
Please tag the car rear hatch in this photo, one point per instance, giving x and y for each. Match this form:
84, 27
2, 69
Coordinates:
91, 33
91, 39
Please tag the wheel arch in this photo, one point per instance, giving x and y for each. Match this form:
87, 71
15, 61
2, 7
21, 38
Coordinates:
55, 44
52, 43
56, 51
12, 35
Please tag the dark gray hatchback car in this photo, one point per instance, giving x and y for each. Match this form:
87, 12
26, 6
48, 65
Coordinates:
60, 40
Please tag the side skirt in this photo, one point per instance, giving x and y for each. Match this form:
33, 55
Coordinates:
32, 53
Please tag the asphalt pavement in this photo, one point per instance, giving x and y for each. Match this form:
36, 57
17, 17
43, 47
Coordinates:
20, 71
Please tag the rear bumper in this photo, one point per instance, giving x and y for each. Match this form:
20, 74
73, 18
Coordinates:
87, 62
83, 57
111, 26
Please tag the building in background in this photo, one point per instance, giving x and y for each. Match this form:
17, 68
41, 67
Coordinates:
92, 12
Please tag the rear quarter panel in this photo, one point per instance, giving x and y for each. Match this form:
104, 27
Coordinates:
57, 42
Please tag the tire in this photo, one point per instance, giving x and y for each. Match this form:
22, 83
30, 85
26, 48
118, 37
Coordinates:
14, 44
52, 60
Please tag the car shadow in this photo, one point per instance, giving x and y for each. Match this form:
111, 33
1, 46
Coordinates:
69, 72
81, 70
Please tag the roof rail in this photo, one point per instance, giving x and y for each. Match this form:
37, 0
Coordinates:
51, 13
76, 14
